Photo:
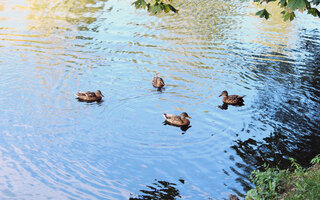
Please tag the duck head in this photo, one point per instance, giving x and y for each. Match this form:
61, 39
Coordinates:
99, 94
185, 115
224, 93
160, 81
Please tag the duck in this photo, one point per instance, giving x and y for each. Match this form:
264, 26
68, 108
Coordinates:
157, 81
231, 99
233, 197
89, 96
177, 120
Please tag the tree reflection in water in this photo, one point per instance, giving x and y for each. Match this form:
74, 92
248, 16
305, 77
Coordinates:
288, 103
160, 190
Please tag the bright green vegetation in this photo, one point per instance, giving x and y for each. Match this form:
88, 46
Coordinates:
288, 6
273, 183
155, 6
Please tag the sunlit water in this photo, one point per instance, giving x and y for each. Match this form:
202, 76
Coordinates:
55, 147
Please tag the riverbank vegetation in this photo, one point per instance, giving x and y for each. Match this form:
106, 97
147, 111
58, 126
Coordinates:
297, 183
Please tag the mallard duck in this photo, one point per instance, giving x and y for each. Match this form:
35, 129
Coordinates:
233, 197
157, 81
177, 120
89, 96
231, 99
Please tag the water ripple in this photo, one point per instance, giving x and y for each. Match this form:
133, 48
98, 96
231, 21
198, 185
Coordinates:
56, 147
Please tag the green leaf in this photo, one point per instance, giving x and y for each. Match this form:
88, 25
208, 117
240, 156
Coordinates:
158, 9
173, 9
317, 158
166, 8
288, 15
292, 16
140, 4
298, 185
315, 2
297, 4
267, 1
263, 14
155, 6
155, 9
282, 3
313, 11
153, 2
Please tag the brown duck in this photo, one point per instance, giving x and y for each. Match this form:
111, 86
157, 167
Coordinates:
177, 120
231, 99
89, 96
233, 197
157, 81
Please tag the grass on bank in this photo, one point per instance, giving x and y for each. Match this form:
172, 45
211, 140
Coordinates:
301, 183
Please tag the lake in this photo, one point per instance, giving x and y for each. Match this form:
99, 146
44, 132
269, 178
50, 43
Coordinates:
53, 146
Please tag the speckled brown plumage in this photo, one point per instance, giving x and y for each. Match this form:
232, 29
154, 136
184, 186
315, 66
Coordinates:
177, 120
157, 82
89, 96
233, 197
231, 99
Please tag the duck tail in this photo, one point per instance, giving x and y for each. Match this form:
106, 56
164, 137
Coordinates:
164, 115
162, 81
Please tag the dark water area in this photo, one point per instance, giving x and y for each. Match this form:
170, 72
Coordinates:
53, 146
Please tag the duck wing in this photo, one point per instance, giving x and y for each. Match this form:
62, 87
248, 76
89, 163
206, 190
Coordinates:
85, 94
80, 94
90, 94
168, 116
155, 81
234, 99
172, 118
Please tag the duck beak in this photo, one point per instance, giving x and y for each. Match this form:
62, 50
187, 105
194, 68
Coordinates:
220, 95
102, 95
189, 117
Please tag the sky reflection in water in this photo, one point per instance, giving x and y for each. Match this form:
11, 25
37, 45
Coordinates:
54, 146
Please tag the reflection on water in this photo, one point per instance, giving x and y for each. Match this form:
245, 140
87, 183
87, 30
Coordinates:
160, 190
225, 106
291, 108
65, 149
182, 128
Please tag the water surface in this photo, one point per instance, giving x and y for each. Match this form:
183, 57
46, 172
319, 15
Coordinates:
55, 147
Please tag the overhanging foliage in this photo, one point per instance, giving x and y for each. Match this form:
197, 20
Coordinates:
288, 13
155, 6
290, 6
